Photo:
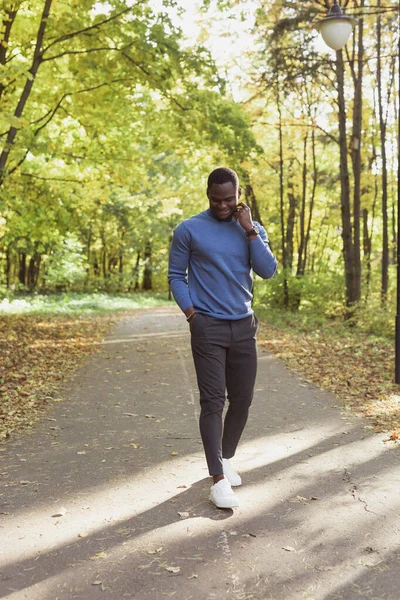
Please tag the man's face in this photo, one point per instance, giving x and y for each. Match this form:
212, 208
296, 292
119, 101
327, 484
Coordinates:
223, 199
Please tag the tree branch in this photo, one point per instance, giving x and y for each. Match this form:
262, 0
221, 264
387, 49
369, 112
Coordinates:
308, 125
37, 58
11, 171
68, 36
87, 51
53, 178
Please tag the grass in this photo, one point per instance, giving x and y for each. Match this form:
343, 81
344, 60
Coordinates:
79, 303
374, 322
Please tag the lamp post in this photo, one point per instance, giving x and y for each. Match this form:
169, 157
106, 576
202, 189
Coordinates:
336, 27
335, 30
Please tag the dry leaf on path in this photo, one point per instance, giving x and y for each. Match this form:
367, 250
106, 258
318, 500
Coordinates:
61, 513
98, 556
173, 569
156, 551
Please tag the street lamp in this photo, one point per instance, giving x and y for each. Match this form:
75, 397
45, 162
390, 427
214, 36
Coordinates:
336, 29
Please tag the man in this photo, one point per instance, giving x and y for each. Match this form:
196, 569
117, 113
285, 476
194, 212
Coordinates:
220, 247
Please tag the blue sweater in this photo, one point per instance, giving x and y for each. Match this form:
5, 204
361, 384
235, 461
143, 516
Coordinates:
219, 259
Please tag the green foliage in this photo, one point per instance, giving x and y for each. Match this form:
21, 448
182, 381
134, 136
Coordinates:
322, 293
67, 266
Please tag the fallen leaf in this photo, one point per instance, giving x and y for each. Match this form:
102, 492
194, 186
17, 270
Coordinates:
156, 551
183, 515
174, 453
61, 513
173, 569
98, 556
288, 548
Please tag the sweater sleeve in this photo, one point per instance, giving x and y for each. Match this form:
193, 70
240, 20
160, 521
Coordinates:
263, 261
178, 263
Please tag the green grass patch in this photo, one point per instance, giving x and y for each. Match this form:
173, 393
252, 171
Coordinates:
374, 322
82, 304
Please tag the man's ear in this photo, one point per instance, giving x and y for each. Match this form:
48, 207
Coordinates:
208, 194
239, 192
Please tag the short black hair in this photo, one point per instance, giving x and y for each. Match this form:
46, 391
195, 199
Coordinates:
223, 175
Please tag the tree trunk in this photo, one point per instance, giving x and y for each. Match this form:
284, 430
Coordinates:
393, 259
22, 268
356, 157
36, 62
348, 248
282, 210
31, 274
312, 202
137, 272
148, 268
382, 130
37, 270
7, 271
103, 256
251, 199
302, 216
367, 248
290, 223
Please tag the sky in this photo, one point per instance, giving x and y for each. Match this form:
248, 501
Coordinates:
228, 39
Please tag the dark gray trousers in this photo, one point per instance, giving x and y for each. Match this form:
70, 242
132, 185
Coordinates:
225, 358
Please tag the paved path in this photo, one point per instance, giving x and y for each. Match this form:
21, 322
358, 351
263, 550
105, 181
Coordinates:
119, 461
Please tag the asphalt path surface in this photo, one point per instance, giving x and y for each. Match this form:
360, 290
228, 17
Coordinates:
107, 497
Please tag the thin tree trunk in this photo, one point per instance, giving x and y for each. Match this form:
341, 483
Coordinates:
251, 199
356, 158
312, 201
382, 130
137, 271
104, 257
37, 270
282, 210
31, 273
290, 222
302, 244
8, 267
367, 248
148, 268
22, 268
348, 249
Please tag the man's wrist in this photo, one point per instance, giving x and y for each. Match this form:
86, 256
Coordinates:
189, 311
253, 232
191, 316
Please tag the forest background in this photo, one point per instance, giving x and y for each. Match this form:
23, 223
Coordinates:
113, 114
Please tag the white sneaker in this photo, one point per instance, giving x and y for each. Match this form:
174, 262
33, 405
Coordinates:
234, 478
222, 495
